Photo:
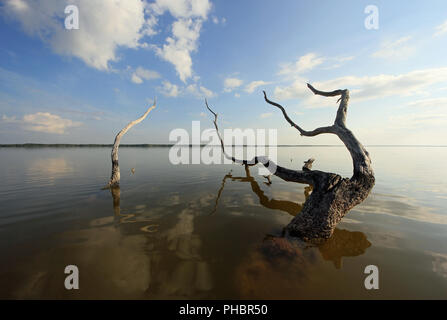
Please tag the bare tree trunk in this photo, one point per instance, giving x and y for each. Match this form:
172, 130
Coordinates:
332, 196
115, 177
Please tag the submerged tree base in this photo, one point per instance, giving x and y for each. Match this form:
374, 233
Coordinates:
330, 200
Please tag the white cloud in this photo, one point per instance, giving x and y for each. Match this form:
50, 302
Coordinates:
169, 89
297, 90
199, 91
303, 64
266, 115
182, 8
232, 83
142, 74
429, 103
18, 5
7, 119
441, 29
344, 59
366, 87
339, 61
394, 49
136, 79
99, 36
43, 122
251, 87
105, 26
216, 20
177, 49
418, 120
186, 28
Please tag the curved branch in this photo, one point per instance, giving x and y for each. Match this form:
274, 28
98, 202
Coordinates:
303, 132
306, 177
340, 120
332, 196
360, 157
115, 177
325, 93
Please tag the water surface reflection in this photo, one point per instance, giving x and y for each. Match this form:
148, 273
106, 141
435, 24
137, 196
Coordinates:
211, 231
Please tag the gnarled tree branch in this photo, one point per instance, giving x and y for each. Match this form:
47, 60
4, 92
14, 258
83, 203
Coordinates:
360, 157
115, 177
293, 124
332, 196
281, 172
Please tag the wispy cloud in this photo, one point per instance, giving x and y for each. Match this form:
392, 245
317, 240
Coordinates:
168, 89
200, 91
366, 87
302, 64
232, 83
441, 29
430, 103
418, 120
172, 90
216, 20
266, 115
394, 49
43, 122
251, 87
141, 74
337, 62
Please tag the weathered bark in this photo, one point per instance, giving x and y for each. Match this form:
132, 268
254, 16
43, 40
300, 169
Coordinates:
115, 177
332, 196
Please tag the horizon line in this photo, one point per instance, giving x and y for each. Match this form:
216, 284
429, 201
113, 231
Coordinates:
148, 145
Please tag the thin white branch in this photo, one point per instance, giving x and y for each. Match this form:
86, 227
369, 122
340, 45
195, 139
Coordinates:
115, 177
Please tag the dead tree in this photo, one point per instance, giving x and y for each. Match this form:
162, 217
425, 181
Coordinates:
332, 196
115, 177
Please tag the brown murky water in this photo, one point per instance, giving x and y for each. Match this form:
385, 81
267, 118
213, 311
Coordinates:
213, 231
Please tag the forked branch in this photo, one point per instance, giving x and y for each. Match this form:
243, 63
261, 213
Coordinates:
303, 132
360, 156
332, 196
281, 172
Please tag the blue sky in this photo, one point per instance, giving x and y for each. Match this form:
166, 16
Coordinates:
83, 86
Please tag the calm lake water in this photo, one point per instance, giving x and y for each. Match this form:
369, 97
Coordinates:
205, 231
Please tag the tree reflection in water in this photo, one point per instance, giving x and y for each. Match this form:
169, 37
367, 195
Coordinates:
176, 269
128, 256
120, 218
261, 275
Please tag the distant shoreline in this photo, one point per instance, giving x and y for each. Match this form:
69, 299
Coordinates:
70, 145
